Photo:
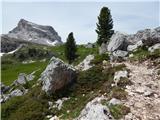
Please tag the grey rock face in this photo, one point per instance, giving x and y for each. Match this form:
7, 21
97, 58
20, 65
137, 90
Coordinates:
125, 42
117, 42
94, 110
57, 75
154, 47
35, 33
135, 46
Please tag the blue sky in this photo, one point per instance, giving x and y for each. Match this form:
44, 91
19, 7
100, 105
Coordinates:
80, 17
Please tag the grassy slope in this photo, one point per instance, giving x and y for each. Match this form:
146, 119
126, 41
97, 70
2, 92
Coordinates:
10, 72
11, 66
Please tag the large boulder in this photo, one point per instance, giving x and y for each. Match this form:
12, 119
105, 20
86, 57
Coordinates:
94, 110
124, 42
86, 63
57, 75
117, 42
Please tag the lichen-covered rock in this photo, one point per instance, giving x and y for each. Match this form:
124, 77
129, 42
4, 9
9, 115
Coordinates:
94, 110
85, 64
57, 75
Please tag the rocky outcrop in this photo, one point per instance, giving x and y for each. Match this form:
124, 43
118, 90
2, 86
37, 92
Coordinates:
94, 110
123, 42
57, 75
28, 31
86, 63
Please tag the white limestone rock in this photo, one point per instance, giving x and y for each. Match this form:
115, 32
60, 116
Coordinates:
114, 101
118, 75
57, 75
85, 64
94, 110
154, 47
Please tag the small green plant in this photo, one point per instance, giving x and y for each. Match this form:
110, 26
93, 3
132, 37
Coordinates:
99, 58
118, 111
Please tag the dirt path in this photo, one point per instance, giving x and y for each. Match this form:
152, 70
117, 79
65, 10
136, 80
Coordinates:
144, 94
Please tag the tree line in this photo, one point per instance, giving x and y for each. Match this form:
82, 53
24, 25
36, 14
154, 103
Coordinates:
104, 32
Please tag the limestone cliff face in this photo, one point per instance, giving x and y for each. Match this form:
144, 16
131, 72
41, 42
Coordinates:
35, 33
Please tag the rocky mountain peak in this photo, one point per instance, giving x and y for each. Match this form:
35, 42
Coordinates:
35, 33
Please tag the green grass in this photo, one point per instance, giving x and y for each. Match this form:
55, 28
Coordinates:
142, 54
82, 52
10, 72
32, 106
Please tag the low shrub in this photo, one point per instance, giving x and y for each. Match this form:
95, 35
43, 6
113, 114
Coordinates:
119, 93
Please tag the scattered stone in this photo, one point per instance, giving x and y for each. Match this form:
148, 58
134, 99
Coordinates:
148, 93
16, 92
54, 118
114, 101
57, 75
120, 53
58, 103
118, 75
28, 62
85, 64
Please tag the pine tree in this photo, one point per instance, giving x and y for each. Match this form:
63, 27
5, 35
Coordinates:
70, 48
104, 26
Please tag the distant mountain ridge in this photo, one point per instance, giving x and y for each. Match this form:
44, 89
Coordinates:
35, 33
